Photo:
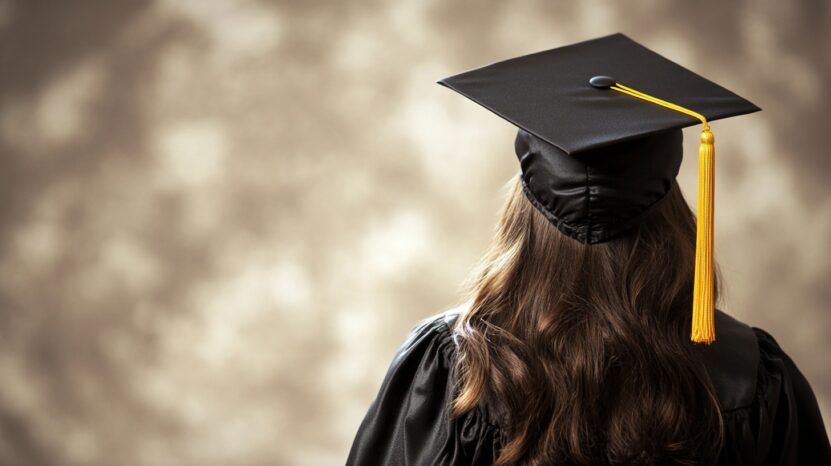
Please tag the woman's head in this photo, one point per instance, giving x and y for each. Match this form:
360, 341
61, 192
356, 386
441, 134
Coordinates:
583, 350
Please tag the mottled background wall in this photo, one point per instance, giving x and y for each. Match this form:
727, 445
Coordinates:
219, 219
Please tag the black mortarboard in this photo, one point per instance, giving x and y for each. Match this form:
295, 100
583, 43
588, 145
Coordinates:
596, 154
548, 93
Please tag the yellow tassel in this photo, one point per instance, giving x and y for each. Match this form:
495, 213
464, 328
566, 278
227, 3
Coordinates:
703, 327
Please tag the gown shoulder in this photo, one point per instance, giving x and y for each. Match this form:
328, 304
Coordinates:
770, 413
410, 423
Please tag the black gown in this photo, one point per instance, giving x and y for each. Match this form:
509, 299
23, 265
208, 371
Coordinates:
770, 413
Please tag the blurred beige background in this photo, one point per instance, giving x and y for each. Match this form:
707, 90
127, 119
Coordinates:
218, 219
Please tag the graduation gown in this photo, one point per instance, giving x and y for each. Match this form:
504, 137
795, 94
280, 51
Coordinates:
770, 413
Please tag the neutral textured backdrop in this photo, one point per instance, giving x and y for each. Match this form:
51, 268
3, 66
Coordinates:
219, 219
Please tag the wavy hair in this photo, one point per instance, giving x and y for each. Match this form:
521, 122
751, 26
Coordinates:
583, 352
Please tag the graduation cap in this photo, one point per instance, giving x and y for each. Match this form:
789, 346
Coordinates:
599, 140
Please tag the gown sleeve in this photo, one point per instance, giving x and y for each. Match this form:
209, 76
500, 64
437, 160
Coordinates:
784, 425
409, 422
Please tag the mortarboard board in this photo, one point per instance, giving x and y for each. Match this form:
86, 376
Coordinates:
596, 154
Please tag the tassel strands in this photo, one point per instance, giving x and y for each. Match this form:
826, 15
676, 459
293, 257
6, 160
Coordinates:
703, 327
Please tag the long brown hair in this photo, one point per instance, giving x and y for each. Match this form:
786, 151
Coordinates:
584, 351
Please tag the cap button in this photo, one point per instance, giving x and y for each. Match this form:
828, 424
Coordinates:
602, 82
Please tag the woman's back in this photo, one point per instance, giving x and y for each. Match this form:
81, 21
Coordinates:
769, 412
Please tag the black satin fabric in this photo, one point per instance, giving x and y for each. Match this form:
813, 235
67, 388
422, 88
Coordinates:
770, 413
409, 424
604, 192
